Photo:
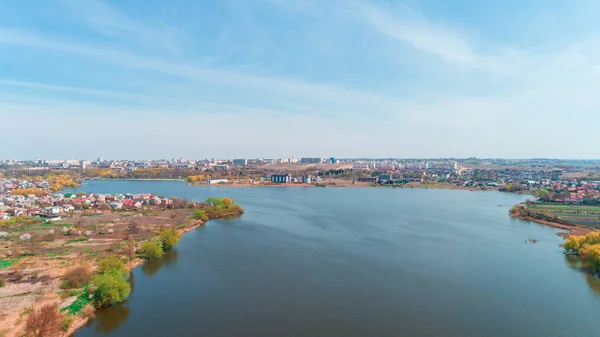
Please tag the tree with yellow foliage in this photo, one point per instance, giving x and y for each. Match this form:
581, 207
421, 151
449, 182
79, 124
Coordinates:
27, 191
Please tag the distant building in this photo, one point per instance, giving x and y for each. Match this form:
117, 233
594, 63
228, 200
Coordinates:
281, 178
311, 160
306, 179
385, 176
240, 162
220, 167
372, 180
216, 181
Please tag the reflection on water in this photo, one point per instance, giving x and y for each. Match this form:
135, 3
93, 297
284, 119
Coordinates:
108, 319
151, 267
592, 280
573, 261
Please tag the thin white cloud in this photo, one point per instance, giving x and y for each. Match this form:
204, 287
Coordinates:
104, 18
443, 42
268, 85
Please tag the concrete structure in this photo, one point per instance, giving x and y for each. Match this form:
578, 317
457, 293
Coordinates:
240, 162
281, 178
216, 181
311, 160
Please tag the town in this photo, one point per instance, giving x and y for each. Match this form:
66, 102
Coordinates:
561, 181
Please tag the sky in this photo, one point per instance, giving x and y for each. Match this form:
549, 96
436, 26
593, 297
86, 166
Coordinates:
125, 79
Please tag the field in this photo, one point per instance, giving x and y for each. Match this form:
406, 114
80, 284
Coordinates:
588, 216
34, 255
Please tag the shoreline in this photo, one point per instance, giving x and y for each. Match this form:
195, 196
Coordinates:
80, 322
361, 185
336, 184
572, 230
131, 266
134, 179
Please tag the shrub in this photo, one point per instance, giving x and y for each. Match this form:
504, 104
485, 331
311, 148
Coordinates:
88, 311
76, 278
112, 263
200, 214
227, 202
44, 322
111, 288
168, 238
2, 282
151, 250
65, 323
214, 201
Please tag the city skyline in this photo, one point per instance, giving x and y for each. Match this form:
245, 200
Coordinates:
358, 79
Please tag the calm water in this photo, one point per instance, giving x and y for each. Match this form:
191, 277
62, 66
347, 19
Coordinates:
355, 262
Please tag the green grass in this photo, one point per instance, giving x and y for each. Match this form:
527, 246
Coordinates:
566, 208
6, 263
77, 240
81, 301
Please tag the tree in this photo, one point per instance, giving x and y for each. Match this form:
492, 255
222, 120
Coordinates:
44, 322
573, 242
112, 263
227, 202
168, 238
151, 250
593, 259
130, 247
111, 288
544, 195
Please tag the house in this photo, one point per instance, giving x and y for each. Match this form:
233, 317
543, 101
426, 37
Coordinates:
306, 179
116, 205
155, 200
4, 216
281, 178
53, 210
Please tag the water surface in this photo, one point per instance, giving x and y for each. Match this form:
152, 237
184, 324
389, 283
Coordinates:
355, 262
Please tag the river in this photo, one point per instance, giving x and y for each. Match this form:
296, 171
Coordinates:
355, 262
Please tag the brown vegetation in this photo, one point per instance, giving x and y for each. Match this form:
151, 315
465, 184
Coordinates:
45, 322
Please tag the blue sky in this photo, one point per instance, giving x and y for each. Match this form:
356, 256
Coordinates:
281, 78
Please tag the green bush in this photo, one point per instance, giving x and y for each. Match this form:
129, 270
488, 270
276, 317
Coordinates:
200, 214
112, 263
168, 238
214, 201
151, 250
111, 288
